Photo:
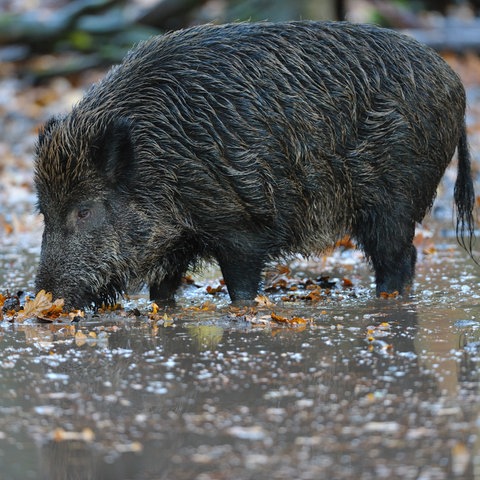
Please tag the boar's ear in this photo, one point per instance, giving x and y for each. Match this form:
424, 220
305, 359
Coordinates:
113, 152
46, 131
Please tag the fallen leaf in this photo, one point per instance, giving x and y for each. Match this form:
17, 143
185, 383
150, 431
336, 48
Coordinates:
80, 339
345, 242
204, 307
76, 315
461, 457
430, 250
42, 307
188, 280
394, 294
41, 303
167, 320
2, 299
61, 435
314, 296
288, 321
213, 291
263, 301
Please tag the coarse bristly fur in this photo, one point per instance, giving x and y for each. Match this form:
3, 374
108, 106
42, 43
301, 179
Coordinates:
242, 143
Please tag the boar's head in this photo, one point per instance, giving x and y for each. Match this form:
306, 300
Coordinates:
82, 178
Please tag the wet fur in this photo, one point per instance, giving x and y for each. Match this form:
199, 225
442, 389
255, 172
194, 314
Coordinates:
246, 142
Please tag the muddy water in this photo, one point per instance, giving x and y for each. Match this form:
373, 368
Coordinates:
365, 389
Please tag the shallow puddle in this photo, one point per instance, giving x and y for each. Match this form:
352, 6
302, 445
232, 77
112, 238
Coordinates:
364, 388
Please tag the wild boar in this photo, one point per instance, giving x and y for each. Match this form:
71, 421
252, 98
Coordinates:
244, 143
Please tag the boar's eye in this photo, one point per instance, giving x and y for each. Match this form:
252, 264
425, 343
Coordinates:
83, 213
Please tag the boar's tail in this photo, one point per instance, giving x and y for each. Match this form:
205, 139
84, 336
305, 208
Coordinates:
464, 195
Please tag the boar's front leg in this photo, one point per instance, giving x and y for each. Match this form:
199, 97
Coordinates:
242, 274
163, 293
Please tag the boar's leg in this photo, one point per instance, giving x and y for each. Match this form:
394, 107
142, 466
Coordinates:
163, 293
389, 246
242, 274
395, 274
175, 264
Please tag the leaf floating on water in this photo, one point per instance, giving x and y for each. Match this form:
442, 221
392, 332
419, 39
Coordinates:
394, 294
167, 320
460, 459
80, 339
159, 318
288, 321
214, 290
155, 308
263, 301
375, 336
204, 307
42, 307
61, 435
40, 304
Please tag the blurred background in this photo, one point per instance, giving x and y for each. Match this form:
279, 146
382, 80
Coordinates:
83, 34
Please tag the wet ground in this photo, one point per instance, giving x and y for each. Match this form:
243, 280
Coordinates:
363, 388
355, 387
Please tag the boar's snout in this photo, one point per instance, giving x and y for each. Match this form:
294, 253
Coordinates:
70, 290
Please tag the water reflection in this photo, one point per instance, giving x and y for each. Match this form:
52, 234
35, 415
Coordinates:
374, 387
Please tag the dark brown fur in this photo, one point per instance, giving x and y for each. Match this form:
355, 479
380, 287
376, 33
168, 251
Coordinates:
242, 143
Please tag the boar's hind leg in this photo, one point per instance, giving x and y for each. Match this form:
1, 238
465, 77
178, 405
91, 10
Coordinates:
396, 273
242, 275
393, 256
